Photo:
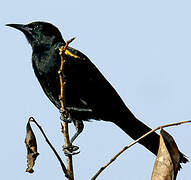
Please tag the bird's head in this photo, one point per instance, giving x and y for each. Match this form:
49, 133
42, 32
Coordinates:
40, 34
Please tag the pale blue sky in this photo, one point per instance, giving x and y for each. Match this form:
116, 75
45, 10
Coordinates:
143, 49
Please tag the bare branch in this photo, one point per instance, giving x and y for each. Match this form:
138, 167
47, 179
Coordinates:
63, 105
134, 142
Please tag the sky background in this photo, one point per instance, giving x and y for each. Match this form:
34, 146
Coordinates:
142, 47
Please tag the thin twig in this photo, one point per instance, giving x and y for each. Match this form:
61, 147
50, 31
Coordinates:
63, 105
134, 142
31, 119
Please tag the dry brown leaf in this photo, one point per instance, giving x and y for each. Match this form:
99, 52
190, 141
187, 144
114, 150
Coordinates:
173, 150
167, 162
31, 146
163, 168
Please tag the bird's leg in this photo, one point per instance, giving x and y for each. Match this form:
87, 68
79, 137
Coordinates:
79, 128
79, 125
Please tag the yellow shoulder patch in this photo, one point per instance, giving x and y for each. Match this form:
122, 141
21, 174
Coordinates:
67, 52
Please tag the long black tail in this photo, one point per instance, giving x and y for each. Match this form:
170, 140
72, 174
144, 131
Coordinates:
135, 129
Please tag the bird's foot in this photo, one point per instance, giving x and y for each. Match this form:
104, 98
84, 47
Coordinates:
70, 150
65, 116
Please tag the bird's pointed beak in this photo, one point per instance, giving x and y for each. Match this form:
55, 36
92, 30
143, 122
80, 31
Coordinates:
20, 27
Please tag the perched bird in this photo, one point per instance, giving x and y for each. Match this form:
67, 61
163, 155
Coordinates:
88, 95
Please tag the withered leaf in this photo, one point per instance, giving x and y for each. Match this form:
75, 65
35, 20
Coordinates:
167, 161
31, 146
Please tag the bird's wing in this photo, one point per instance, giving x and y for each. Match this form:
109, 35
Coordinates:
93, 88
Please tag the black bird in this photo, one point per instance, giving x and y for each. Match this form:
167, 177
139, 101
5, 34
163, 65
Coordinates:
88, 94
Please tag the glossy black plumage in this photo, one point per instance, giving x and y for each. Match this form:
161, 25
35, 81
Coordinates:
88, 94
